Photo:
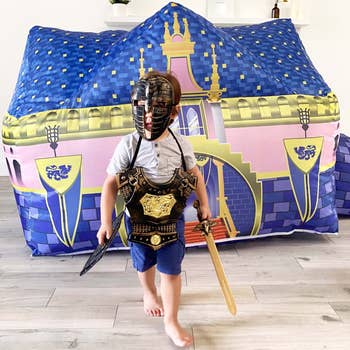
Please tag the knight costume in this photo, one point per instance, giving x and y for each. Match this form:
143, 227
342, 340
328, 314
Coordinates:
154, 207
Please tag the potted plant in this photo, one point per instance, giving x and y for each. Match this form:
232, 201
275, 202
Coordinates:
119, 7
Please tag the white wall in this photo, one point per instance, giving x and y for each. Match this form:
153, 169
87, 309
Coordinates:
325, 38
327, 42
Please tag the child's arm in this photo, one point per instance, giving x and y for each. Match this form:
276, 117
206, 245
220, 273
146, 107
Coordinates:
108, 198
201, 193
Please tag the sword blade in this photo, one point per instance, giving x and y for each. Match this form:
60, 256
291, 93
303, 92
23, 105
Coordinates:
101, 249
220, 273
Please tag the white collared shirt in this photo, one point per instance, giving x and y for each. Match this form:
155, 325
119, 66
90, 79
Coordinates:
158, 159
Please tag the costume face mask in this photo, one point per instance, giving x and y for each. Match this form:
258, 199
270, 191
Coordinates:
152, 102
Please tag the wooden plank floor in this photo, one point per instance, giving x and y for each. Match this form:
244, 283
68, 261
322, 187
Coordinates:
291, 292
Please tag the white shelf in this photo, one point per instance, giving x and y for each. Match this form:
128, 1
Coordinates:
128, 23
125, 23
232, 22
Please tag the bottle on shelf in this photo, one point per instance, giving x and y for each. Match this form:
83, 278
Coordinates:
275, 13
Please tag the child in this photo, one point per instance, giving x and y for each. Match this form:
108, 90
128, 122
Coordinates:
156, 171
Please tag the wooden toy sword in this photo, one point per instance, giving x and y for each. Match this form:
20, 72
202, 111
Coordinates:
205, 227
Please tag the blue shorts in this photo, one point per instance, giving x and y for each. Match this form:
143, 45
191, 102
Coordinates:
168, 258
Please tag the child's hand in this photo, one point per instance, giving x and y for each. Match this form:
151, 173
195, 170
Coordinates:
104, 233
205, 212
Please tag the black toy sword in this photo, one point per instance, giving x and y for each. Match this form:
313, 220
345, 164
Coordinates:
101, 249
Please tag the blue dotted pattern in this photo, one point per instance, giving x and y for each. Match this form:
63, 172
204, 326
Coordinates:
279, 48
55, 64
69, 69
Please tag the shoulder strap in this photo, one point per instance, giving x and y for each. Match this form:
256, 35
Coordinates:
182, 154
135, 154
138, 148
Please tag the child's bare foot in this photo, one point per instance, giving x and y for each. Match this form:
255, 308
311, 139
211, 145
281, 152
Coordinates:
178, 335
152, 305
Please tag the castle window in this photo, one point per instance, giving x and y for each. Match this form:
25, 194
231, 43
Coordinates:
189, 121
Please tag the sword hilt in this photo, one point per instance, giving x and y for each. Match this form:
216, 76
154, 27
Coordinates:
204, 225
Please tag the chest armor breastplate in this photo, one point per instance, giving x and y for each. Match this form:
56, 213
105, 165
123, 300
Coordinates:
155, 208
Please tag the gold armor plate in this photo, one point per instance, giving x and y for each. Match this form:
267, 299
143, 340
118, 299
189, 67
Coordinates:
157, 206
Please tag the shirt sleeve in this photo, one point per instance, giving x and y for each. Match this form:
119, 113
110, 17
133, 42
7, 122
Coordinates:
187, 149
121, 157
